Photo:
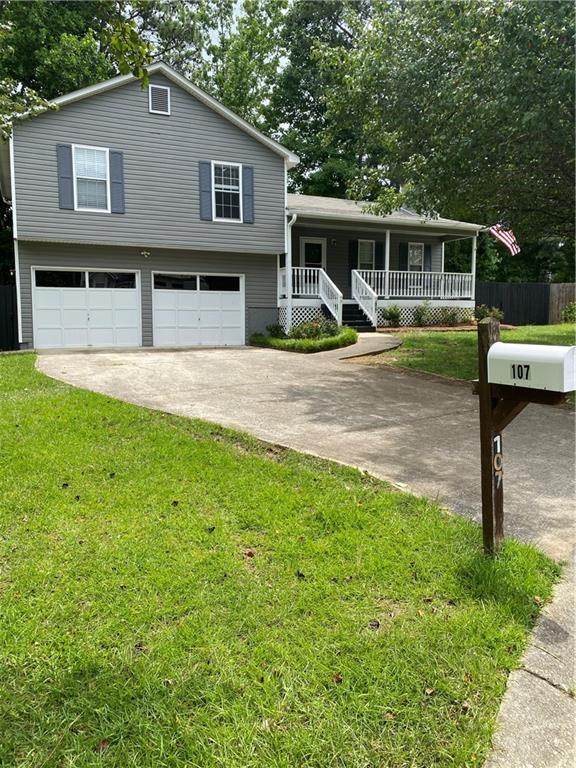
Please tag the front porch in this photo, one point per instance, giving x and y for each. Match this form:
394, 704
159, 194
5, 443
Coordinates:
342, 260
314, 294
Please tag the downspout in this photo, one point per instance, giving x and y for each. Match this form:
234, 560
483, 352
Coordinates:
289, 271
473, 268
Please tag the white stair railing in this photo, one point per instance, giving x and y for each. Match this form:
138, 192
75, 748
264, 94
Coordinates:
365, 296
331, 295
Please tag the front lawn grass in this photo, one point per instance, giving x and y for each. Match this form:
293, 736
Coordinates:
455, 354
344, 338
176, 594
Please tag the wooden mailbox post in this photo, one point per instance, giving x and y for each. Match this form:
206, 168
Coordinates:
509, 377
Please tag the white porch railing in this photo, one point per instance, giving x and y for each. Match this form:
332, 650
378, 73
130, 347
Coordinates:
419, 285
365, 295
313, 282
331, 295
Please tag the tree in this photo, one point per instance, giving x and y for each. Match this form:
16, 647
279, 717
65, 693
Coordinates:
473, 104
329, 154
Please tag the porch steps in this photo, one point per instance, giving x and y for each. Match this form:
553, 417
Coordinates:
353, 317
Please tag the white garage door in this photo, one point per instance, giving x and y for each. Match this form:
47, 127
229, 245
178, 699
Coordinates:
198, 310
85, 308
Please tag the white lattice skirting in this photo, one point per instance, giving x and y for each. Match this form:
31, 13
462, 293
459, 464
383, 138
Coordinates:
299, 315
437, 315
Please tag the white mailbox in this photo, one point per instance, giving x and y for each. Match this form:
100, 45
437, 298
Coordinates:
536, 366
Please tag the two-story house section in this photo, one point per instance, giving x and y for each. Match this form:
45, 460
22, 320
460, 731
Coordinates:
144, 216
155, 216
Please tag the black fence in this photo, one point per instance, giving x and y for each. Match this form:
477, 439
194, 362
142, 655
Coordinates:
8, 317
527, 303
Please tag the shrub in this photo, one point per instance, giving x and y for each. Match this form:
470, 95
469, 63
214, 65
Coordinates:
449, 316
314, 329
569, 313
482, 311
423, 314
276, 331
392, 315
343, 338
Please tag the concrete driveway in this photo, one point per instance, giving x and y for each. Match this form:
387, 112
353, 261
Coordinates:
417, 432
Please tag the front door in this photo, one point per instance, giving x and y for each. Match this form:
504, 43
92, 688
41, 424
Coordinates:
313, 252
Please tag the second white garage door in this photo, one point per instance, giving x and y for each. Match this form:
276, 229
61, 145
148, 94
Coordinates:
198, 310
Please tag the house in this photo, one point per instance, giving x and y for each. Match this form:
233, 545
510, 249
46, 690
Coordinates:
155, 216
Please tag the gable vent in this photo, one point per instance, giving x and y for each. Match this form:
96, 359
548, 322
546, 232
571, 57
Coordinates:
159, 99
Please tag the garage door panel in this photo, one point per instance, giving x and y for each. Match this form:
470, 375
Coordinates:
74, 337
84, 316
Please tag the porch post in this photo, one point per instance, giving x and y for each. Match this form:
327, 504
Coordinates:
289, 272
474, 239
387, 265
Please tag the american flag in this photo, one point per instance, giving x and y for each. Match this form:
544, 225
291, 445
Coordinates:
503, 233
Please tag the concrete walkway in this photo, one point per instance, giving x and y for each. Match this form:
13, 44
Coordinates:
421, 434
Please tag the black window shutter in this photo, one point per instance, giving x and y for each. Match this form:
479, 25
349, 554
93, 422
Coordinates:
403, 257
65, 180
352, 258
427, 257
116, 181
205, 179
378, 255
247, 194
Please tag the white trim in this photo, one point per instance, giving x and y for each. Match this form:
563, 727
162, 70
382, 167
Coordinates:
15, 238
171, 74
373, 254
442, 255
240, 192
162, 88
242, 292
86, 270
317, 240
408, 257
107, 153
473, 266
459, 303
13, 187
18, 292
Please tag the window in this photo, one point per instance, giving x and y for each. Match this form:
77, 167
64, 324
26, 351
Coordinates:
415, 257
365, 254
91, 186
112, 280
219, 283
227, 191
59, 278
159, 99
175, 282
313, 252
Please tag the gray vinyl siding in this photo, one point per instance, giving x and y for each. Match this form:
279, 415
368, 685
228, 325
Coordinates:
161, 155
260, 271
337, 263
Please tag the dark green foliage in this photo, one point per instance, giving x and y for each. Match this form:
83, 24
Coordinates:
569, 313
449, 316
482, 311
314, 329
344, 338
423, 314
276, 331
392, 315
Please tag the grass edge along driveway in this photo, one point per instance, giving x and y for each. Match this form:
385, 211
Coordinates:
177, 594
455, 353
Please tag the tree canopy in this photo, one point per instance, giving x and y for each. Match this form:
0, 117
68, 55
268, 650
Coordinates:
465, 108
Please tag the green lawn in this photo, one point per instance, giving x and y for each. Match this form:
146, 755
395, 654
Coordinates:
176, 594
454, 354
